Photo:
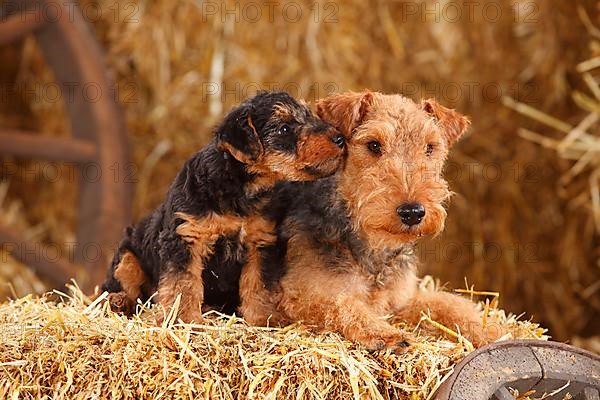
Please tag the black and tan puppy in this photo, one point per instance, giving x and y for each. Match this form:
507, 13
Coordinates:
210, 225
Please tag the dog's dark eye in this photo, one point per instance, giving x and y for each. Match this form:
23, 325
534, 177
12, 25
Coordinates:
284, 129
429, 149
374, 147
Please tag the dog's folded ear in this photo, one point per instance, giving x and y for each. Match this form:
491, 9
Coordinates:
453, 124
345, 111
237, 135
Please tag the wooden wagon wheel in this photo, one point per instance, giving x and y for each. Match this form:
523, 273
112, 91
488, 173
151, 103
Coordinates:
548, 370
99, 139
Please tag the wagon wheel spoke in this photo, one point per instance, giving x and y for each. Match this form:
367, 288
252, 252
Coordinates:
16, 26
32, 145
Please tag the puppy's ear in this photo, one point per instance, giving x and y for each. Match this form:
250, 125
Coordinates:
238, 136
345, 111
453, 124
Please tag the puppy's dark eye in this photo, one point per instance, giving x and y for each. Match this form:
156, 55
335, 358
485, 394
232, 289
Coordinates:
284, 129
374, 147
429, 149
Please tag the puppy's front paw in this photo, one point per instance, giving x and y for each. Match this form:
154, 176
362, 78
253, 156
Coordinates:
191, 316
186, 316
373, 344
120, 303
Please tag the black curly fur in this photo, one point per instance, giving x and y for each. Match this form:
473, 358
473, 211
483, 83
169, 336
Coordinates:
311, 209
213, 181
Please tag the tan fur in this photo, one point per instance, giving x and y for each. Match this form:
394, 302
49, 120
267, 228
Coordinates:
188, 285
235, 153
345, 110
354, 297
265, 180
347, 302
131, 276
201, 234
282, 112
454, 312
256, 233
453, 124
315, 151
132, 279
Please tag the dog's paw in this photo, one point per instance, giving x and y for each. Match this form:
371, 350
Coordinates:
401, 346
191, 316
481, 336
120, 303
186, 316
374, 344
399, 342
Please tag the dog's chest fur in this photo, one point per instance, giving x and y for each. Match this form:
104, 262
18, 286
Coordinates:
382, 267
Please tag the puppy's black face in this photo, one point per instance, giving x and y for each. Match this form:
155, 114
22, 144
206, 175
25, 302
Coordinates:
277, 136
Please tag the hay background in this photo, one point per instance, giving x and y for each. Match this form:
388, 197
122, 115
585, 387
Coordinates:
549, 260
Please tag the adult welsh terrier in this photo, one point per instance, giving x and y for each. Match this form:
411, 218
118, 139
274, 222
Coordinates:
344, 257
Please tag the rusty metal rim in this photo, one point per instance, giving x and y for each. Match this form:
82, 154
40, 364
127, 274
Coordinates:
445, 391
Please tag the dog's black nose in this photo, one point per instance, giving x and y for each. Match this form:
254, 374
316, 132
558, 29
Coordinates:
339, 140
411, 213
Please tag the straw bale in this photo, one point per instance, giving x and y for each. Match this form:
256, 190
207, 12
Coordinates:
68, 347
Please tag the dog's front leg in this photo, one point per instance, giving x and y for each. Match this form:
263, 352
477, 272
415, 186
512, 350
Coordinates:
198, 235
258, 304
338, 301
186, 283
131, 278
358, 322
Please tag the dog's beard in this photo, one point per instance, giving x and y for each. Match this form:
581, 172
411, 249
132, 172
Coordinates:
386, 231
